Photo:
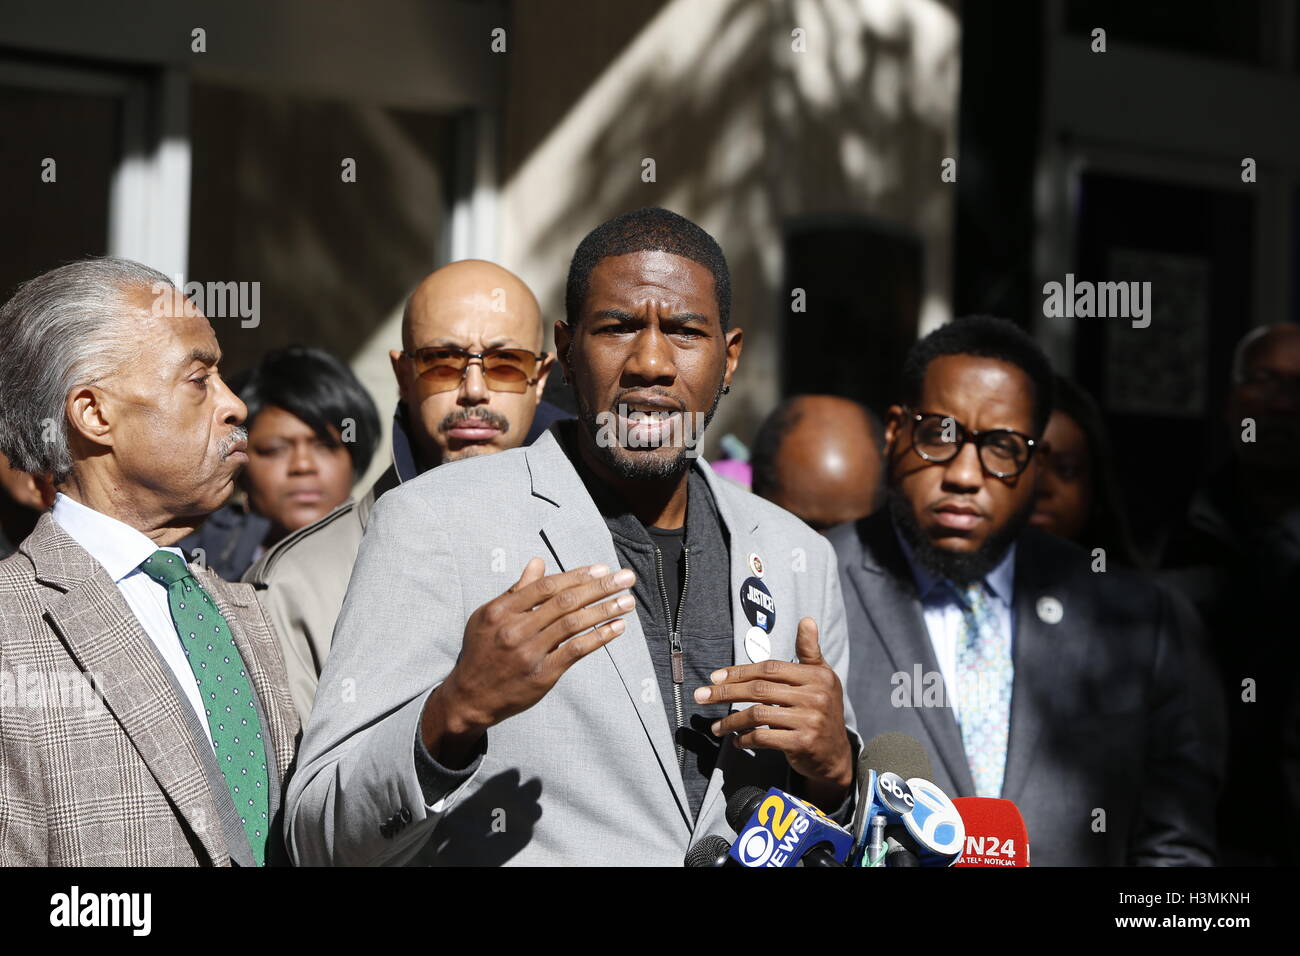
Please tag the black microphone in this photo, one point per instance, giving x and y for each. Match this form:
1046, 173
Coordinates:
712, 851
899, 855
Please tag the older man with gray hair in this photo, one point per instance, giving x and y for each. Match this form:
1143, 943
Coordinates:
145, 717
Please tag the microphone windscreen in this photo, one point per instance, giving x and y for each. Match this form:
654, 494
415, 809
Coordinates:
995, 832
742, 805
897, 753
898, 855
709, 851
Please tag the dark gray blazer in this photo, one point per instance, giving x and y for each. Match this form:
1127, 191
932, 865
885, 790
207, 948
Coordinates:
1106, 760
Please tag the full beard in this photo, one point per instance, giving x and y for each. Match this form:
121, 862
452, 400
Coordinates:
959, 567
647, 464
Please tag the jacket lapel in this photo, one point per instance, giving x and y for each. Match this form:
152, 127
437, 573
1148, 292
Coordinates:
1038, 661
743, 536
576, 535
108, 643
887, 594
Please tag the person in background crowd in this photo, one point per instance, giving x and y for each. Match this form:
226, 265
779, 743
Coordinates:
312, 432
1078, 495
1243, 525
819, 457
481, 669
1237, 559
109, 382
1024, 674
1078, 498
470, 375
22, 499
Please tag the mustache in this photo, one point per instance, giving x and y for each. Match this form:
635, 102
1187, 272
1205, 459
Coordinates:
240, 433
620, 405
958, 501
486, 415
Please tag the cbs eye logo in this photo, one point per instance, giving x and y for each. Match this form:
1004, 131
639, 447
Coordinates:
756, 845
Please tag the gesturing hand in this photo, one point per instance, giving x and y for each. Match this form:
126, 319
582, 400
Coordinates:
518, 645
798, 710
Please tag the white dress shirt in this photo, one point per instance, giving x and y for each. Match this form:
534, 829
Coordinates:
120, 549
942, 607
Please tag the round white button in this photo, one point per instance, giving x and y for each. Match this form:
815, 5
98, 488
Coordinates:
758, 645
1049, 610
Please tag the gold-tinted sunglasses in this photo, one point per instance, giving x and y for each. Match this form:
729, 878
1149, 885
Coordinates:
442, 368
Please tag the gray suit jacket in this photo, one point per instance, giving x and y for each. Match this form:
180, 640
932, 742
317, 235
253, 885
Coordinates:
589, 774
102, 760
1106, 759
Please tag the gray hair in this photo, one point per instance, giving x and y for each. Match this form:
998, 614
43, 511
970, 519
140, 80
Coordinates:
62, 330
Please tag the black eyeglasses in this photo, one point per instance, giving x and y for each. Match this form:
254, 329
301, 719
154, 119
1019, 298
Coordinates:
1003, 452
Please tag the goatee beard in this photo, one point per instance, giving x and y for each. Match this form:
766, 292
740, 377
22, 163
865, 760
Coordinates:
959, 567
632, 466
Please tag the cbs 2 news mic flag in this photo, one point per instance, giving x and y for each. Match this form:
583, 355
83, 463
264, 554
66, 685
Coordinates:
782, 831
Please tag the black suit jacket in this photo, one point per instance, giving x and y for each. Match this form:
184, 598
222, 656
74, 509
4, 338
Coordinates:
1105, 758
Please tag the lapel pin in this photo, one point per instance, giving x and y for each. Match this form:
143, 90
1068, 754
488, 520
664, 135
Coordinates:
757, 603
758, 646
755, 565
1049, 610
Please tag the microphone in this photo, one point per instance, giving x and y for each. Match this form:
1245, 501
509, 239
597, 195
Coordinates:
897, 855
712, 851
934, 824
995, 832
780, 830
887, 762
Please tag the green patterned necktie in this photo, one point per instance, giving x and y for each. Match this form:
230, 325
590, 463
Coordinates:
226, 692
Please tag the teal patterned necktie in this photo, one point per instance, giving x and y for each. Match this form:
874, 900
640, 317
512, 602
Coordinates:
984, 677
226, 692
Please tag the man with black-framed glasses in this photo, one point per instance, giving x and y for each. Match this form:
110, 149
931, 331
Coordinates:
1027, 671
470, 375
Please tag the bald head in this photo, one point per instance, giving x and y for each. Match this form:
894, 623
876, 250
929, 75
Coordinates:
474, 306
462, 292
819, 457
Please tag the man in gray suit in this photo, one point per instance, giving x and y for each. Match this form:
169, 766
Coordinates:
1026, 669
145, 717
469, 713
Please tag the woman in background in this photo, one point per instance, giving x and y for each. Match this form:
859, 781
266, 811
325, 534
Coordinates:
312, 431
1078, 494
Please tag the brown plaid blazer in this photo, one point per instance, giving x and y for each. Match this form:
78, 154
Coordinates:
98, 761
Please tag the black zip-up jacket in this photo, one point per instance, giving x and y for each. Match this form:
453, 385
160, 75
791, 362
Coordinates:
703, 620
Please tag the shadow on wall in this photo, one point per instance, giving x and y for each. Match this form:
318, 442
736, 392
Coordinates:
746, 135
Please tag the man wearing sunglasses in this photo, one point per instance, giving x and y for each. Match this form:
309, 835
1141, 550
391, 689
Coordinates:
470, 375
578, 651
1027, 671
